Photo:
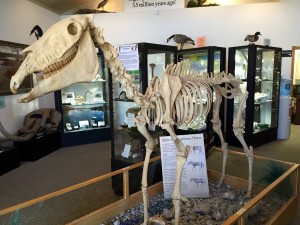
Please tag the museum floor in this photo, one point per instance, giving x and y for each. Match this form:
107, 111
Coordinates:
72, 165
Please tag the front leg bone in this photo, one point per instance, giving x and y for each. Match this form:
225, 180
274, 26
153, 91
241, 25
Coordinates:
141, 125
181, 156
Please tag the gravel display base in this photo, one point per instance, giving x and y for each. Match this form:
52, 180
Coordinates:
214, 210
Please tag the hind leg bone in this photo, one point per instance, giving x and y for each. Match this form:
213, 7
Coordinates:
217, 128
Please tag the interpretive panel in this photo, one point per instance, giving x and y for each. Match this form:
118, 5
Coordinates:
194, 181
138, 5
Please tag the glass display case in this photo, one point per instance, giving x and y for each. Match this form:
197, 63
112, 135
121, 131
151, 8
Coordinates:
296, 85
86, 109
259, 67
205, 59
210, 59
296, 69
127, 143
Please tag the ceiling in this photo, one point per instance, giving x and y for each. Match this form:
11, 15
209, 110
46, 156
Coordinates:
63, 7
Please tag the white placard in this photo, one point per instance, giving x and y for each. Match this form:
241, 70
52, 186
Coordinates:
126, 151
101, 123
129, 56
130, 120
98, 97
194, 180
138, 5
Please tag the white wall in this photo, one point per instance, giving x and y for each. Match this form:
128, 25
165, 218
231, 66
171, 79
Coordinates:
17, 20
223, 26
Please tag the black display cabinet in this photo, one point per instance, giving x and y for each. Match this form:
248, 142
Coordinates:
39, 146
152, 61
295, 117
86, 108
205, 59
259, 67
9, 159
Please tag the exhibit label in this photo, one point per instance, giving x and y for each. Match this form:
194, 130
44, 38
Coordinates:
129, 56
137, 5
194, 180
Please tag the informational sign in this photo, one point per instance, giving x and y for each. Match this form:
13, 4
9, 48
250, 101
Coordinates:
129, 56
194, 180
286, 53
130, 120
126, 151
137, 5
201, 41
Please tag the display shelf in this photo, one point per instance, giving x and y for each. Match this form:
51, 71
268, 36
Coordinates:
259, 67
83, 106
86, 108
122, 100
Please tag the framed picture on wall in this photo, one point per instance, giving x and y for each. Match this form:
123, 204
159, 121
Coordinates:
11, 57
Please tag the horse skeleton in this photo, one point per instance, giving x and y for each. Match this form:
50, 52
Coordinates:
177, 99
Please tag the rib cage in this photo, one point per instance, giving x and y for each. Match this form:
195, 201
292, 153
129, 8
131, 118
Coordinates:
195, 98
190, 108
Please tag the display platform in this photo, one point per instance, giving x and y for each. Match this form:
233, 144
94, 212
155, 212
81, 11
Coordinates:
38, 146
9, 159
96, 202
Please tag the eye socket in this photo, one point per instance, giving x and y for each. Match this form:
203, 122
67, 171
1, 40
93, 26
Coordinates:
72, 29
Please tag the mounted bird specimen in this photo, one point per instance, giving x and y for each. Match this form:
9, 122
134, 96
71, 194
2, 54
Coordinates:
99, 9
181, 39
252, 37
199, 3
37, 30
102, 4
